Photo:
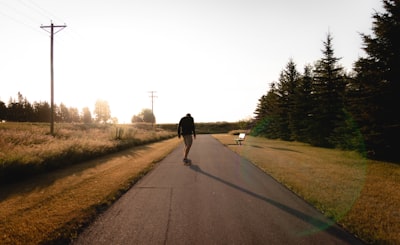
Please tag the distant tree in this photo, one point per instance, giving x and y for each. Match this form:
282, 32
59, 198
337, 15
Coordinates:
19, 110
86, 115
41, 111
114, 120
148, 116
3, 111
57, 113
74, 114
373, 95
102, 111
63, 113
136, 118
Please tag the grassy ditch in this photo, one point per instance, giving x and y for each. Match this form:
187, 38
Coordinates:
27, 149
52, 208
361, 195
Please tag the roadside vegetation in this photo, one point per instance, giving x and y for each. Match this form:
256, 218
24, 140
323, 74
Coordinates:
360, 194
327, 106
27, 149
51, 208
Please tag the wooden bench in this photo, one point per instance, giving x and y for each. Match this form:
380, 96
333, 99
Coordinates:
240, 138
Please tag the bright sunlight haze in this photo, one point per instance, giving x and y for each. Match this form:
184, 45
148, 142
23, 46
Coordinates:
212, 58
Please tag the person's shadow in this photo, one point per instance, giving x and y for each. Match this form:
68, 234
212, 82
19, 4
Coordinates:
318, 224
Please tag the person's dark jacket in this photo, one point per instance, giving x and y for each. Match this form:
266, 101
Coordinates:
186, 126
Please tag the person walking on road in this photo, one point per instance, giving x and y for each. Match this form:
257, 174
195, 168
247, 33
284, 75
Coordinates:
186, 128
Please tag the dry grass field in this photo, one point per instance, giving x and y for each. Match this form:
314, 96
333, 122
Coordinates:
27, 148
49, 189
361, 195
53, 207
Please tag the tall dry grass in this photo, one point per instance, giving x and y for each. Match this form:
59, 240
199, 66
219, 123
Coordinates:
27, 149
51, 208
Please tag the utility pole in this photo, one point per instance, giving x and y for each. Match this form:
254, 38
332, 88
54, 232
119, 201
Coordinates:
52, 27
152, 96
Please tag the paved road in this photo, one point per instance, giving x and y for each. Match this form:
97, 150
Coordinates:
219, 199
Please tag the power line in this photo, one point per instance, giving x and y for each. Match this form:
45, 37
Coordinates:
39, 10
52, 27
17, 17
25, 12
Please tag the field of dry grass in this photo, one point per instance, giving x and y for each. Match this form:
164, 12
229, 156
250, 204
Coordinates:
361, 195
53, 207
27, 148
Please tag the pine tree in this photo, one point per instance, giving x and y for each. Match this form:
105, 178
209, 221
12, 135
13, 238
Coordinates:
374, 93
3, 111
261, 109
267, 113
288, 80
328, 96
303, 105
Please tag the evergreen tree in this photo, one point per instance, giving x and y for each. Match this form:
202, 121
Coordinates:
328, 96
3, 111
286, 89
374, 93
261, 109
19, 110
41, 111
303, 105
267, 113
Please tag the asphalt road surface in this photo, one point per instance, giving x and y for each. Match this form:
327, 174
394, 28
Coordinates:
220, 199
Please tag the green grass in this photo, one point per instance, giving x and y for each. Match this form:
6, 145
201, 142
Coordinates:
27, 149
362, 195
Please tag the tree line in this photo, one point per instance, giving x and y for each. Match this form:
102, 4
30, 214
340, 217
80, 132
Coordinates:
326, 106
21, 110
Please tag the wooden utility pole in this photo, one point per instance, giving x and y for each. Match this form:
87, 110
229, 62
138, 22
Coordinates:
52, 27
152, 96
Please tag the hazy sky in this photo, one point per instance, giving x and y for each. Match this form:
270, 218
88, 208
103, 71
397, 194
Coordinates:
212, 58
